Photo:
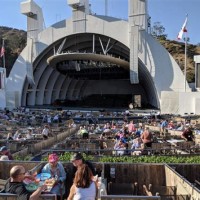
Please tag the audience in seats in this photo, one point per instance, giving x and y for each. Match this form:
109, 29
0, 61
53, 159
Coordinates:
120, 148
45, 132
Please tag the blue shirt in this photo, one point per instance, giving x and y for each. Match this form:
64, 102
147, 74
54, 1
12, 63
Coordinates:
61, 176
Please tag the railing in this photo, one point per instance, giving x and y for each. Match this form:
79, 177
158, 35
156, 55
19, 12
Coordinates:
123, 197
102, 194
171, 150
163, 193
9, 196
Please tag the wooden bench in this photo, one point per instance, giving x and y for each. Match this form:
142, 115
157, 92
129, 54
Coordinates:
102, 192
160, 148
159, 190
122, 188
164, 192
2, 183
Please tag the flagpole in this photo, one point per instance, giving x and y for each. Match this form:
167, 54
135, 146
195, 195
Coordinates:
180, 36
4, 64
185, 67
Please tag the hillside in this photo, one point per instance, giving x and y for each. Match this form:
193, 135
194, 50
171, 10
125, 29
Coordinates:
15, 41
177, 50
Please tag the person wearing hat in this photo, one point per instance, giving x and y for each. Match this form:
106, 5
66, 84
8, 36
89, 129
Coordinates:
57, 171
78, 160
6, 152
16, 186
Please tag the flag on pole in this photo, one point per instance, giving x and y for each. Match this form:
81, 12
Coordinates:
2, 51
183, 29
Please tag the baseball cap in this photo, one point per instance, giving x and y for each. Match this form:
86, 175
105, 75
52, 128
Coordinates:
53, 158
3, 148
76, 156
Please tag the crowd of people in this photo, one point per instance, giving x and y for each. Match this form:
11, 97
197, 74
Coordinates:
29, 133
84, 182
132, 139
129, 138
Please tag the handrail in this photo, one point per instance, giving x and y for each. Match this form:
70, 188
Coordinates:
42, 196
107, 197
163, 151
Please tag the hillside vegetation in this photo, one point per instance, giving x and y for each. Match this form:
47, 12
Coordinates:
15, 41
177, 50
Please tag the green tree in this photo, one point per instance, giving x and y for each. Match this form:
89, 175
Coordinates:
158, 31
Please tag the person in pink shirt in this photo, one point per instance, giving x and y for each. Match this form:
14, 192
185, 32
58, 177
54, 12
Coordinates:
131, 127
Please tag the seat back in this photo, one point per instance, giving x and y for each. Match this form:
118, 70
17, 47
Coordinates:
121, 188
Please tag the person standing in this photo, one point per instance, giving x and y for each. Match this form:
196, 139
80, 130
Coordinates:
147, 137
131, 127
83, 186
163, 125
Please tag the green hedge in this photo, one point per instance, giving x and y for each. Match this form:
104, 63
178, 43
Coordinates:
135, 159
152, 159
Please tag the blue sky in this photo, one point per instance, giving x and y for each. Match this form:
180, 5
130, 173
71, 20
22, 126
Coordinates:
170, 13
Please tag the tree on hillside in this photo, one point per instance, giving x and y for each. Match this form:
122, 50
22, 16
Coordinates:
158, 31
15, 41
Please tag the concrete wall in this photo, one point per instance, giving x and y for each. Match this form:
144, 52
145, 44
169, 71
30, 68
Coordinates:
2, 99
183, 186
180, 102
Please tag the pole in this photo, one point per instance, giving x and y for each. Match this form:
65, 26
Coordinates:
185, 71
106, 7
4, 64
3, 46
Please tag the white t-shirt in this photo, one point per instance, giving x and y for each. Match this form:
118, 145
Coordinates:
45, 132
